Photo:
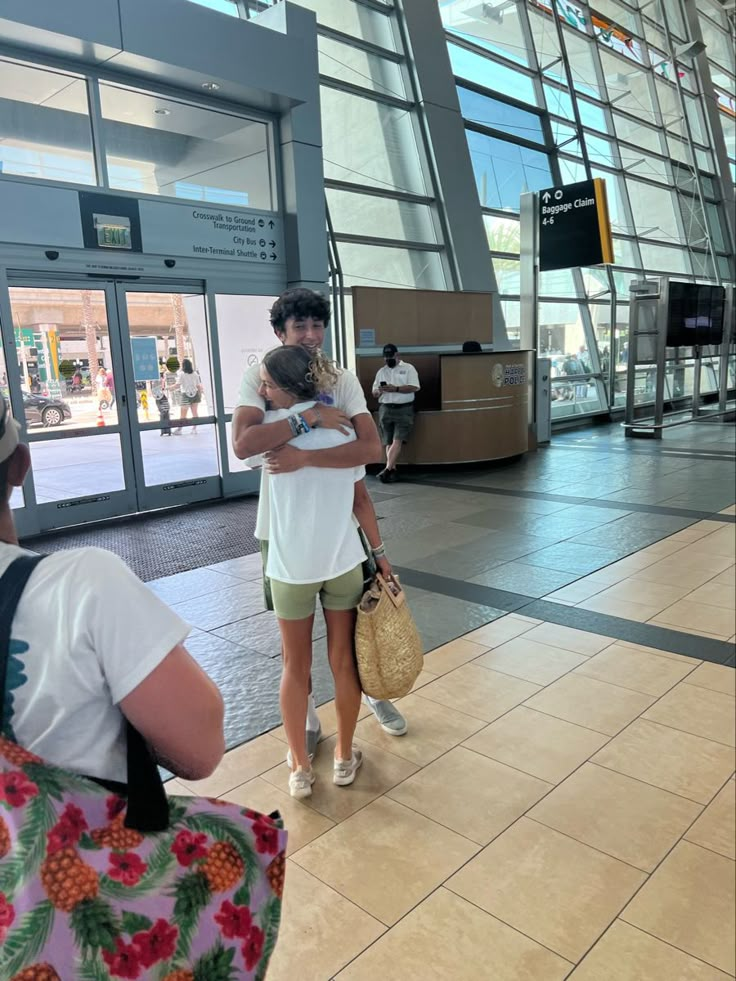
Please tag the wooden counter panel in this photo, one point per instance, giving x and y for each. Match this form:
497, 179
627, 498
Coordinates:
476, 377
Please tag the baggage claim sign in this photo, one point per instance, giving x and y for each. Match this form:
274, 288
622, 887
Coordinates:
574, 227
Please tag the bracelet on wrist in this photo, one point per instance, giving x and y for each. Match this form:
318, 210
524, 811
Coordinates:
317, 416
378, 551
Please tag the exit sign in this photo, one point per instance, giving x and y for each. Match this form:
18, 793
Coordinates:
113, 232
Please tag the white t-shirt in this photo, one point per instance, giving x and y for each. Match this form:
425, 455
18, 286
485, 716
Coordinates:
189, 382
402, 374
312, 535
348, 396
86, 633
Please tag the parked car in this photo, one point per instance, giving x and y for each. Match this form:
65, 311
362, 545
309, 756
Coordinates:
43, 410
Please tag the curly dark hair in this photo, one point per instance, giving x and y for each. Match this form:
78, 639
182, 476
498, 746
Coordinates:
299, 303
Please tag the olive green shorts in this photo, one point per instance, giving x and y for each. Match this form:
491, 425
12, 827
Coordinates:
295, 601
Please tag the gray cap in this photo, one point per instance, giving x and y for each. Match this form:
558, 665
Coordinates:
9, 432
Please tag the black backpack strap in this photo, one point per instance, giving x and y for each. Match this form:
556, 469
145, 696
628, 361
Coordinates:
148, 808
12, 584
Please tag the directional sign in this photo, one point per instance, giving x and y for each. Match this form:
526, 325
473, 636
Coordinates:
145, 358
574, 227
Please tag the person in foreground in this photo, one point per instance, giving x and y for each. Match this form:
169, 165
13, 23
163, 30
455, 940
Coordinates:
300, 317
314, 550
91, 646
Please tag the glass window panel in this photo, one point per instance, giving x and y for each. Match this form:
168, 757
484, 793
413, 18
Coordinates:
365, 214
508, 273
602, 151
351, 64
557, 282
500, 115
245, 334
512, 318
654, 210
720, 46
653, 33
728, 125
644, 165
490, 74
616, 195
354, 19
672, 118
611, 36
572, 171
44, 125
562, 133
159, 146
629, 88
544, 34
503, 171
625, 252
496, 25
370, 265
726, 268
582, 65
562, 338
369, 142
659, 258
635, 132
618, 13
560, 103
221, 6
504, 234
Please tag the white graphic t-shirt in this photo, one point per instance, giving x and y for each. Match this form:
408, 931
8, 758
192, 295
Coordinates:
86, 633
348, 396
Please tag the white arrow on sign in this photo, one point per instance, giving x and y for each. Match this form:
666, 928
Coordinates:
558, 195
546, 196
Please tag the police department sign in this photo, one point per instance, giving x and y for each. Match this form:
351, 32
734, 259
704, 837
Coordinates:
508, 374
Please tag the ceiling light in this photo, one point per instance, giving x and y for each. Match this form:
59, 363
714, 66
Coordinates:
162, 112
210, 86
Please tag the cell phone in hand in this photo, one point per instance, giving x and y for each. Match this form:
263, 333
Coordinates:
383, 384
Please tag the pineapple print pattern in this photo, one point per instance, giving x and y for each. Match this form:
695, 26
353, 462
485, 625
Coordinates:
180, 976
224, 867
4, 838
38, 972
68, 880
116, 835
276, 873
16, 754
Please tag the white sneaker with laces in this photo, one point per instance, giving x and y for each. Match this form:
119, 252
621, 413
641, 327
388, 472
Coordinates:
300, 782
345, 770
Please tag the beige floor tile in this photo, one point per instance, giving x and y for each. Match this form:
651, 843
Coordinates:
569, 639
591, 703
498, 631
647, 673
704, 713
603, 603
731, 509
433, 729
576, 592
704, 555
380, 771
446, 937
721, 543
320, 930
303, 823
559, 601
626, 954
524, 619
527, 659
689, 903
668, 758
714, 594
701, 529
728, 577
238, 766
552, 888
173, 787
687, 615
668, 546
452, 655
670, 573
386, 858
471, 794
618, 815
424, 679
624, 567
646, 593
327, 718
655, 650
716, 827
537, 744
717, 677
478, 692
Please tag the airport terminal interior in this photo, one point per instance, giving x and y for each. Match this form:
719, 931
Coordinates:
563, 523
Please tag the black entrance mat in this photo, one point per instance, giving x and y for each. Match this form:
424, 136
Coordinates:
164, 543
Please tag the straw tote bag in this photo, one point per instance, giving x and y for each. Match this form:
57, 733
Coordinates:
388, 647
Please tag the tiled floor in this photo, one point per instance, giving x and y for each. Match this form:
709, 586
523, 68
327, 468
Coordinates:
563, 804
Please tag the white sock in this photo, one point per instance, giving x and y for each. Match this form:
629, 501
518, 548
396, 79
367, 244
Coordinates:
313, 723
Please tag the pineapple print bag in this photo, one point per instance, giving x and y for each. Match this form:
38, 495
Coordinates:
95, 887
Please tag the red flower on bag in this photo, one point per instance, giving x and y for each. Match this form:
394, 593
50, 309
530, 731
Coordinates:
267, 836
16, 789
73, 818
61, 836
234, 921
253, 948
124, 962
115, 805
156, 944
127, 868
7, 916
189, 847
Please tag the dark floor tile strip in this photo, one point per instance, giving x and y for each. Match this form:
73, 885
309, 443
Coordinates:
645, 634
572, 499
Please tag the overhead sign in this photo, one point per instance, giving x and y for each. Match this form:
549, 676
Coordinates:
145, 359
574, 227
211, 232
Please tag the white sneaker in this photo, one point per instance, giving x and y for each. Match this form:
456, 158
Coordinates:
345, 770
300, 783
313, 738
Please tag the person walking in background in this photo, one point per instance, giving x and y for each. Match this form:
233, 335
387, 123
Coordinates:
394, 387
163, 406
190, 389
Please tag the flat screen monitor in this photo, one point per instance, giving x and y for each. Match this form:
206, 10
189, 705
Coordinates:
695, 315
